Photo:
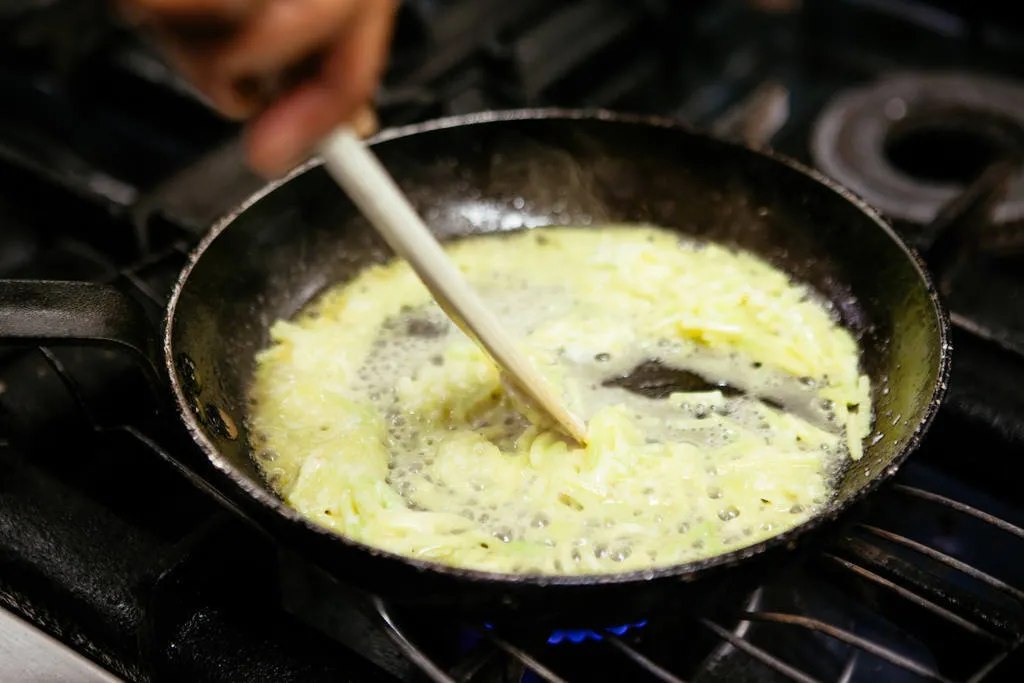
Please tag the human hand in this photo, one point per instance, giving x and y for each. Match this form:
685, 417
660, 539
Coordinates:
325, 58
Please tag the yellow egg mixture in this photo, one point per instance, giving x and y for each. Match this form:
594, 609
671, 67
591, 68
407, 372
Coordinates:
374, 416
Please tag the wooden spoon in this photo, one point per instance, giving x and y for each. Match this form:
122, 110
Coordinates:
371, 188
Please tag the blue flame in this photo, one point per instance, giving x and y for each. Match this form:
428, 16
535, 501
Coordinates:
581, 635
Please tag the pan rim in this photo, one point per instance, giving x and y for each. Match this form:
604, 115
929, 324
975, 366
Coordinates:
689, 571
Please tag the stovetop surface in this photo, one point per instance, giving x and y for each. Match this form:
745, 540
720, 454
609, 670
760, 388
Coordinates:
105, 544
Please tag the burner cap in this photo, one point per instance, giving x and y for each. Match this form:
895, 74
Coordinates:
909, 143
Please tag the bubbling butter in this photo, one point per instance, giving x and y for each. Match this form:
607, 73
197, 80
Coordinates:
376, 417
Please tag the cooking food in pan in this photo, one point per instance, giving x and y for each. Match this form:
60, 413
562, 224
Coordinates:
499, 171
374, 416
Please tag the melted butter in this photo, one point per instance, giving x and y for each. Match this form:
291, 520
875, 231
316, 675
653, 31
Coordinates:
379, 419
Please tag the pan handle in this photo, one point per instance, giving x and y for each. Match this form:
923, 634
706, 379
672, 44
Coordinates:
61, 312
51, 312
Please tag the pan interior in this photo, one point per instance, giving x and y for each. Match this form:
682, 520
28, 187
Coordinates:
518, 173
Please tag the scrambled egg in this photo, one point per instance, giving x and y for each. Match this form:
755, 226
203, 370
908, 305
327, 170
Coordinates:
374, 416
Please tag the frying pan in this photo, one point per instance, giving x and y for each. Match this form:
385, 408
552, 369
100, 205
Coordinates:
501, 171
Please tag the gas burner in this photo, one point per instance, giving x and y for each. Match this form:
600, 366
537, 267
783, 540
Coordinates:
581, 635
578, 636
910, 143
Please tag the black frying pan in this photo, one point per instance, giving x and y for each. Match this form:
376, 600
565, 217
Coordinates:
491, 172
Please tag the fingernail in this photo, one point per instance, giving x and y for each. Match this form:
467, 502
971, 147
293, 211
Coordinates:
365, 122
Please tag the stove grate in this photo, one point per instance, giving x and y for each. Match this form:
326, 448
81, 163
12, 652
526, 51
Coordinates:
994, 645
863, 559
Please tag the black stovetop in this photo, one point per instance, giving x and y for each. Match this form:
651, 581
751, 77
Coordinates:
105, 168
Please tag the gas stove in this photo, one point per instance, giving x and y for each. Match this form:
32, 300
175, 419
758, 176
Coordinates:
114, 563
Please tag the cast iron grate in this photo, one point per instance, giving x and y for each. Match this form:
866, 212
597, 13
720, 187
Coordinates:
997, 645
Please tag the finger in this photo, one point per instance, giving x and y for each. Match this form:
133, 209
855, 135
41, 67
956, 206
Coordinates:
220, 93
284, 134
282, 138
187, 43
357, 62
286, 31
288, 142
188, 19
221, 9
